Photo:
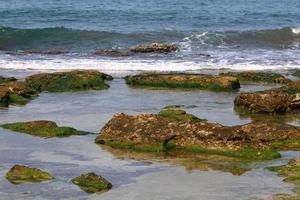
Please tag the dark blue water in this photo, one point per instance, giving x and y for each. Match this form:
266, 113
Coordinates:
256, 32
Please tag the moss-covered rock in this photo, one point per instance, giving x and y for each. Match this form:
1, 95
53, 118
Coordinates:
6, 80
184, 81
280, 100
154, 133
69, 81
257, 77
297, 73
43, 128
154, 48
174, 112
92, 183
290, 172
16, 93
19, 174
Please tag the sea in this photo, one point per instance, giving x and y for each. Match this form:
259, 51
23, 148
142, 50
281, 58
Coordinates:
237, 34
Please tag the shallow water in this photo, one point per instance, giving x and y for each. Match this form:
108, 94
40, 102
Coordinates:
133, 176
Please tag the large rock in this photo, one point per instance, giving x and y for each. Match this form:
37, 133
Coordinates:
16, 93
154, 48
92, 183
279, 100
19, 174
151, 132
42, 128
69, 81
254, 77
184, 81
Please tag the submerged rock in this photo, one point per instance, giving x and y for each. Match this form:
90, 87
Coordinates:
19, 174
92, 183
184, 81
279, 100
69, 81
43, 128
154, 48
154, 133
6, 80
16, 93
56, 52
254, 77
111, 53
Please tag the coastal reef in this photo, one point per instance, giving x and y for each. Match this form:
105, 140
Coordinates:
279, 100
69, 81
184, 81
15, 92
164, 133
42, 128
257, 77
154, 48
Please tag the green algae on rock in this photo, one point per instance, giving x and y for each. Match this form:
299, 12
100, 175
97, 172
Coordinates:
92, 183
175, 112
154, 133
7, 79
69, 81
19, 174
154, 48
184, 81
256, 77
16, 93
296, 73
280, 100
43, 128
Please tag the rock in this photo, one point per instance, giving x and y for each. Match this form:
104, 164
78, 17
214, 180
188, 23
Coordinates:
154, 48
19, 174
154, 133
202, 54
16, 93
92, 183
111, 53
254, 77
33, 51
184, 81
69, 81
175, 112
297, 73
290, 172
56, 52
6, 80
42, 128
279, 100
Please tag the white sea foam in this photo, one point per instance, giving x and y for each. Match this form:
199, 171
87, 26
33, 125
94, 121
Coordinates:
296, 30
137, 65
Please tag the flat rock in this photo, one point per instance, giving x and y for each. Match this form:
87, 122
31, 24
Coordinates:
147, 131
154, 48
184, 81
279, 100
42, 128
257, 77
111, 53
69, 81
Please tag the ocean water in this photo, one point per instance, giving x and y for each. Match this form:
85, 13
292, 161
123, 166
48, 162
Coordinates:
238, 34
